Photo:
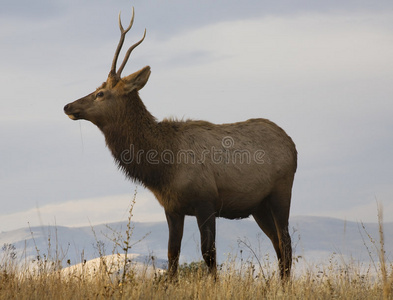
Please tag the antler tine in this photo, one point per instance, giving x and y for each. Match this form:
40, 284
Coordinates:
120, 45
129, 26
128, 54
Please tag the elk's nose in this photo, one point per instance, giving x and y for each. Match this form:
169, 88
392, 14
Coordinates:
66, 107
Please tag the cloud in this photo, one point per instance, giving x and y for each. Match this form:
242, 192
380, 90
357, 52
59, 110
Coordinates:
86, 212
321, 66
366, 213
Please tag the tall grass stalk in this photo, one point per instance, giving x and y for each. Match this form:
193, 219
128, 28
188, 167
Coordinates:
386, 282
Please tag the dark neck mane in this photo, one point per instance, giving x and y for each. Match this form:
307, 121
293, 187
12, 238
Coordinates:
130, 136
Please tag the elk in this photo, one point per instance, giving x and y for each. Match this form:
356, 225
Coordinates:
196, 168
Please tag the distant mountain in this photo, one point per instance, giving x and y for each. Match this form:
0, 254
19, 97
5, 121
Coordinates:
314, 239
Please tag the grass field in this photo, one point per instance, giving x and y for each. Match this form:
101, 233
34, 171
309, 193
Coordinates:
118, 278
47, 281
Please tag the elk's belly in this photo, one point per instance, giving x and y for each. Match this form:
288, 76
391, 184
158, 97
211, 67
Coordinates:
237, 205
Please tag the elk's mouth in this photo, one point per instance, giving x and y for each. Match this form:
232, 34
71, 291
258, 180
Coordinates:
74, 116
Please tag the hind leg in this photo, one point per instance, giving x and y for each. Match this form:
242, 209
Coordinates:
264, 218
279, 202
272, 217
285, 261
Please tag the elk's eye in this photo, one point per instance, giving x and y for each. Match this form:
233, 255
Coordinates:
100, 94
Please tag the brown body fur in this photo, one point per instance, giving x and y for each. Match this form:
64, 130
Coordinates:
198, 168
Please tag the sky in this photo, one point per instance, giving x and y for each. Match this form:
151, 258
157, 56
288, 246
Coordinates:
322, 70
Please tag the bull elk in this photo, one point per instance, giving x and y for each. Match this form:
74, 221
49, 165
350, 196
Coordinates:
196, 168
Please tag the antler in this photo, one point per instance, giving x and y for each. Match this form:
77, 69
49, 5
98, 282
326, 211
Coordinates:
128, 54
113, 73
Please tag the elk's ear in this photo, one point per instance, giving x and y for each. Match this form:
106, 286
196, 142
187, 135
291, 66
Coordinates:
137, 80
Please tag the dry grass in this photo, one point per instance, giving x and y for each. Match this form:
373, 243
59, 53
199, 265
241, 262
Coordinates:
192, 283
333, 279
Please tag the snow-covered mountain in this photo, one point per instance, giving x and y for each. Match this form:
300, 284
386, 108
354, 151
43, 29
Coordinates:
313, 238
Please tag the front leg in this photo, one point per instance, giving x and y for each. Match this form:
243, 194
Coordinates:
175, 225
